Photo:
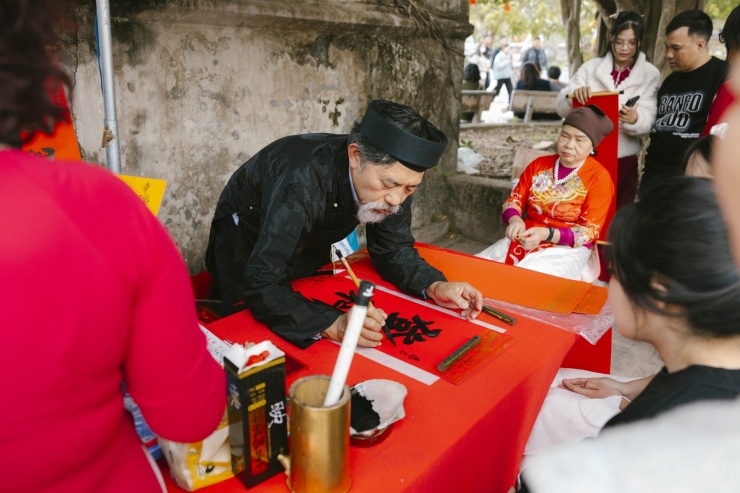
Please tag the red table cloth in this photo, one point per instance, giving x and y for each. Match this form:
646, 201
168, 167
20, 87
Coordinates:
465, 437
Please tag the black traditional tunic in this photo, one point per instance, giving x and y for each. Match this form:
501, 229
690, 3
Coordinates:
276, 221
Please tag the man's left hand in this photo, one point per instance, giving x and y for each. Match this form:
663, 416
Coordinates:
457, 295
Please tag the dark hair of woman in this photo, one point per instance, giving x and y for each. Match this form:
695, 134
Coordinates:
703, 146
672, 247
624, 21
29, 76
529, 75
730, 34
472, 72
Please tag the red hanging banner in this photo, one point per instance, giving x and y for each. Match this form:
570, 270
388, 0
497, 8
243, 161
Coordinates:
607, 149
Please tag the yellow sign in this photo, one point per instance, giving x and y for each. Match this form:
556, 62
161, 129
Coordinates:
150, 190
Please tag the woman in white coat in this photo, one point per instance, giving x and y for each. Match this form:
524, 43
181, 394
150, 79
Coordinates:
623, 68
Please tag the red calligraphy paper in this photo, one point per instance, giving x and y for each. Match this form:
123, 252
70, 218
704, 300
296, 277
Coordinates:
424, 335
495, 280
593, 301
491, 345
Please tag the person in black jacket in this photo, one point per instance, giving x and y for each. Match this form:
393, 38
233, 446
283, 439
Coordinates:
685, 96
282, 210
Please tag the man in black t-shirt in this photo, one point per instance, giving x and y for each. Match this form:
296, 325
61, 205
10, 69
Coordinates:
686, 94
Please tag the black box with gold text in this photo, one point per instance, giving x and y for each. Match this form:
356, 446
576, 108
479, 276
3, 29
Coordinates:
258, 423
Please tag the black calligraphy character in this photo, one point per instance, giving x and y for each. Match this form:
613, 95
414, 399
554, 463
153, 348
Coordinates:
414, 330
345, 301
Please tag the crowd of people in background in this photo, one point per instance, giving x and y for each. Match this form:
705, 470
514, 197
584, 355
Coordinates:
511, 68
503, 66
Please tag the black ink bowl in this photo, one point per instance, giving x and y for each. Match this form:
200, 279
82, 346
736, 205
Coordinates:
376, 405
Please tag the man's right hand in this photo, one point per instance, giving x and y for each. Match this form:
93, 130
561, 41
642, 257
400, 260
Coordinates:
370, 335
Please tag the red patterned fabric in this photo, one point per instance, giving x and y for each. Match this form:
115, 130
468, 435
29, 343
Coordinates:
581, 203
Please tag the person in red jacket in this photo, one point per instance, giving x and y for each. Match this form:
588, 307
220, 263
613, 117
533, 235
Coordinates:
93, 294
730, 36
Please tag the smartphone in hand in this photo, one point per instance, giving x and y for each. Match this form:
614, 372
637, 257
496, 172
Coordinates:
631, 101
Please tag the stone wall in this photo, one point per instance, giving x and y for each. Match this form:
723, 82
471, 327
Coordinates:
474, 205
203, 85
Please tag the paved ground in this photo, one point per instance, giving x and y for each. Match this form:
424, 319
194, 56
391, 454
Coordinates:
461, 244
629, 358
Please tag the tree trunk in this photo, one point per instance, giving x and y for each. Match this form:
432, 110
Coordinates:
668, 11
603, 24
570, 11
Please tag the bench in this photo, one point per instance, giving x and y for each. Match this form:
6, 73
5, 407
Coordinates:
476, 102
537, 104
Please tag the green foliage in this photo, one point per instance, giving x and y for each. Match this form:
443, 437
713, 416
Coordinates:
589, 32
543, 17
524, 18
468, 143
718, 10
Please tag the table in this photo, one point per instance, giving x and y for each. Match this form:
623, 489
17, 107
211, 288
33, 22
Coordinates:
466, 437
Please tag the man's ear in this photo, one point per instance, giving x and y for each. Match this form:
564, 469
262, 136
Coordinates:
701, 43
353, 152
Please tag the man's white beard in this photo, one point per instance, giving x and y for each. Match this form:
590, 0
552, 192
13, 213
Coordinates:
368, 212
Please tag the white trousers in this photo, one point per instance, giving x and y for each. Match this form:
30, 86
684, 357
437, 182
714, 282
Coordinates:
567, 418
579, 263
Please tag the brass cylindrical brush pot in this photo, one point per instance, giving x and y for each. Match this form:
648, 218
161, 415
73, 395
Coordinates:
319, 438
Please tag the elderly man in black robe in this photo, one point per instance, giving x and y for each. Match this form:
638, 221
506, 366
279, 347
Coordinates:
283, 209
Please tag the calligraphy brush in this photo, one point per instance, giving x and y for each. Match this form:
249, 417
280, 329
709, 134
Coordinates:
351, 273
